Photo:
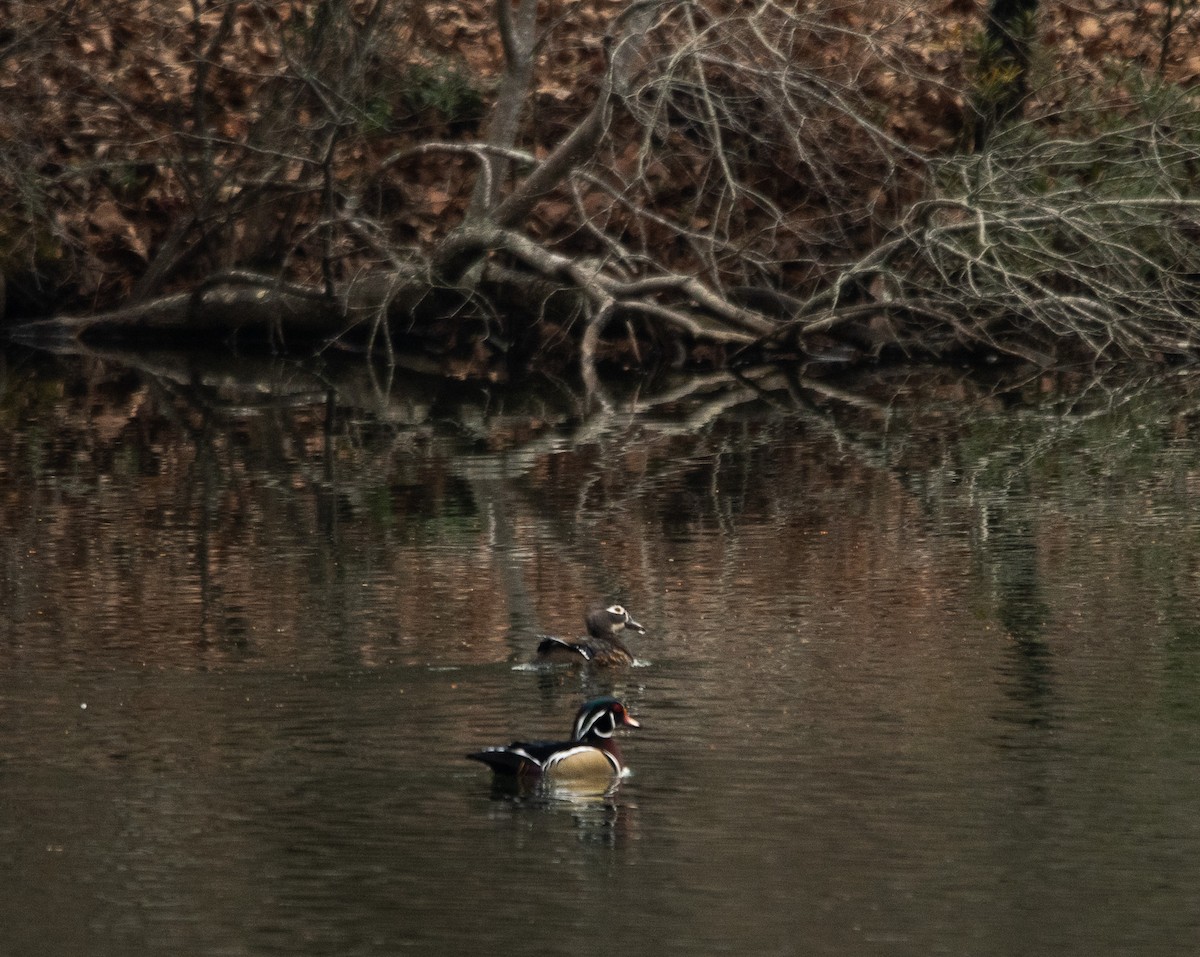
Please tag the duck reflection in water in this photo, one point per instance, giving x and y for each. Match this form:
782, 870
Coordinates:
608, 819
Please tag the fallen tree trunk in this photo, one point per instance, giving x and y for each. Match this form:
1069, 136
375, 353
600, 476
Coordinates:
542, 292
243, 305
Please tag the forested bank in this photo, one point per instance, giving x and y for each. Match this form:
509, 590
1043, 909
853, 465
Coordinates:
521, 184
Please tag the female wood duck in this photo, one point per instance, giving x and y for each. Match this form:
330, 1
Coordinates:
600, 647
590, 756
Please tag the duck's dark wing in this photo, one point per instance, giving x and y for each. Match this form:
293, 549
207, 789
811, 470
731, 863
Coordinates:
598, 651
551, 649
519, 758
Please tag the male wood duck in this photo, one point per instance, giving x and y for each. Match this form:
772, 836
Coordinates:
602, 646
590, 756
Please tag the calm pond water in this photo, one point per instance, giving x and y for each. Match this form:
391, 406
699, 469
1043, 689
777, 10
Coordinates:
922, 671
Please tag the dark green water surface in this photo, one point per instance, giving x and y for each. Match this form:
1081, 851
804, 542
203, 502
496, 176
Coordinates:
922, 671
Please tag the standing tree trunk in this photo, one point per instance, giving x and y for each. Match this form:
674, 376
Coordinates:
518, 35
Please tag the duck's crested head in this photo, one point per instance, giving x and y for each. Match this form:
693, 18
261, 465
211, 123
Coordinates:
610, 619
600, 717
